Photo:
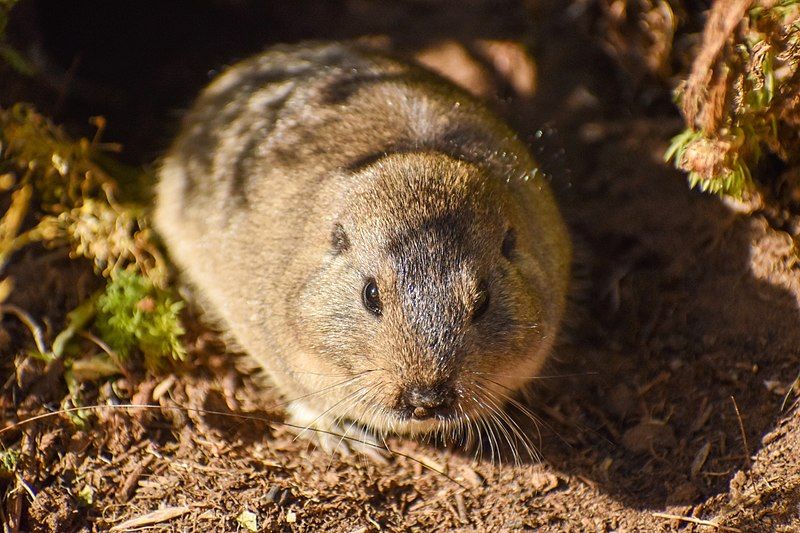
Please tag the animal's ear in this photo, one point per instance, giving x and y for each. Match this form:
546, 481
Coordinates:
509, 243
340, 242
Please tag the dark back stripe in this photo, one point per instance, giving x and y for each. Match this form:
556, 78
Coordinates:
237, 189
340, 90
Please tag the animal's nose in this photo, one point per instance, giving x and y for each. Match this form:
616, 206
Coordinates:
425, 402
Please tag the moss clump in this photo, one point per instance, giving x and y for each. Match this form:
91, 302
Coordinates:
736, 67
742, 96
66, 193
133, 313
8, 461
64, 187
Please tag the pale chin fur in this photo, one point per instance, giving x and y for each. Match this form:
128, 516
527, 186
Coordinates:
411, 427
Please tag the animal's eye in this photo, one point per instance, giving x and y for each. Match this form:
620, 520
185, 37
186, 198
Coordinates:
481, 304
509, 243
371, 297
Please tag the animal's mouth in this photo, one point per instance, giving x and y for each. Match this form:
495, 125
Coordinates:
407, 422
421, 413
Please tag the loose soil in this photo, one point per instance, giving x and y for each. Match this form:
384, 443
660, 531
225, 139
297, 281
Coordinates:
670, 399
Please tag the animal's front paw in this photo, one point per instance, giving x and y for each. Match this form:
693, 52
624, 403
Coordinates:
334, 435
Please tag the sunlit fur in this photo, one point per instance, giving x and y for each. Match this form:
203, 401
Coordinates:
306, 171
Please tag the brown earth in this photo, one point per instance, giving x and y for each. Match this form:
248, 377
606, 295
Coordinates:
672, 399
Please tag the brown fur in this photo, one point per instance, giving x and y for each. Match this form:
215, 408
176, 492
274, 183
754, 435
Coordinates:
304, 171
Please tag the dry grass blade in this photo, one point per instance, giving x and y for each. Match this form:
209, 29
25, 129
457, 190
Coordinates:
744, 434
149, 519
696, 521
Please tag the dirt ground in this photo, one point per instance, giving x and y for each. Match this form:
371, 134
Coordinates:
669, 404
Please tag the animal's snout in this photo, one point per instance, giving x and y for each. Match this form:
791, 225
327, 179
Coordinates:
426, 402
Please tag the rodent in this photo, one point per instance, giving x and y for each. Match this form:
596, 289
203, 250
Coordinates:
381, 243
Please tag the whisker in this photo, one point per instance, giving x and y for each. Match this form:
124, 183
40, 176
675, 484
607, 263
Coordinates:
466, 427
507, 431
496, 414
478, 432
537, 421
515, 428
522, 408
320, 391
326, 411
363, 393
338, 421
294, 370
537, 376
490, 437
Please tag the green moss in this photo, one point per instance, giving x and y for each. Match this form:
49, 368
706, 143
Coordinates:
8, 460
134, 314
715, 167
